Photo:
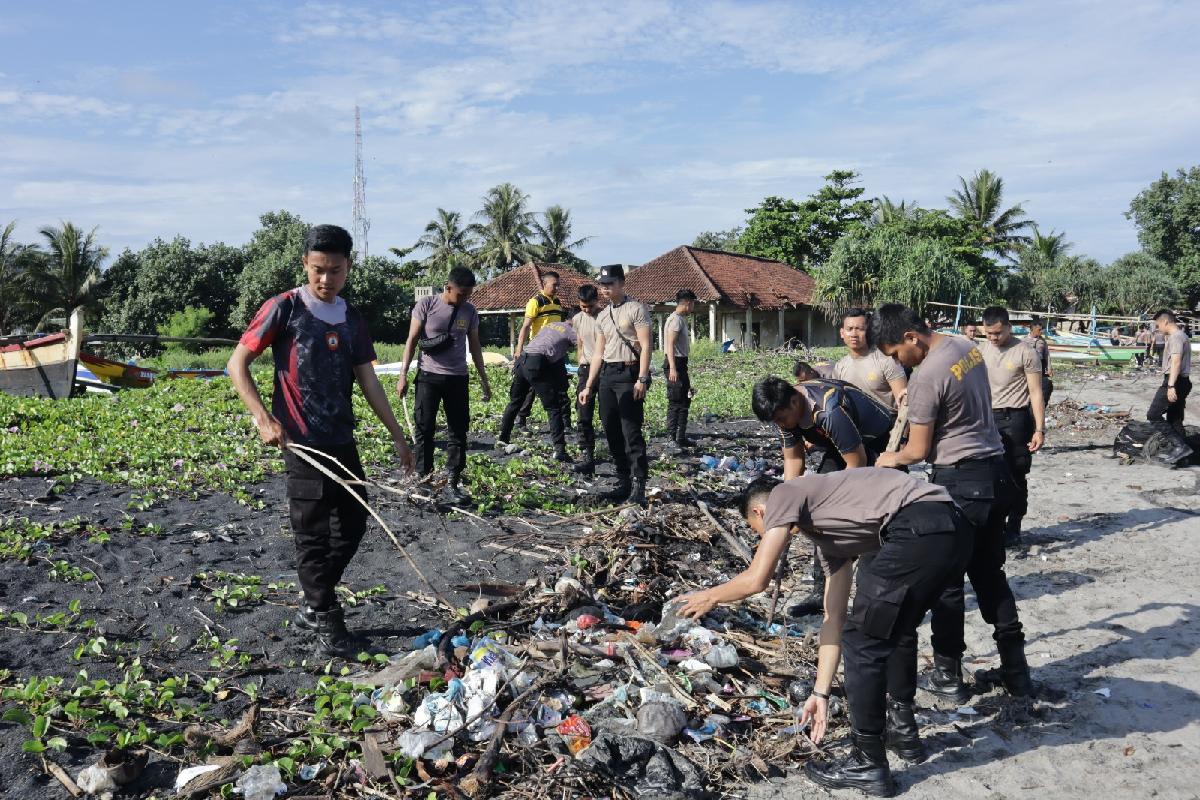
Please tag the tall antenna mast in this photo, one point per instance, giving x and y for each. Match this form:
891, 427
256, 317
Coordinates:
361, 223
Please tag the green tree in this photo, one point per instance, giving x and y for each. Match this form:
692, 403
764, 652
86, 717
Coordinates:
69, 276
1075, 281
191, 322
1138, 283
803, 233
729, 240
555, 245
979, 201
381, 290
886, 212
504, 230
448, 245
273, 263
18, 263
1167, 215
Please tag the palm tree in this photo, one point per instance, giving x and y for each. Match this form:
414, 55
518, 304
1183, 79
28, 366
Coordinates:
1050, 248
447, 242
504, 230
555, 232
886, 211
16, 261
978, 201
70, 277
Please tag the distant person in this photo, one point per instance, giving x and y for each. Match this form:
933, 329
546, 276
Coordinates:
1143, 340
676, 347
587, 328
866, 367
1158, 343
951, 427
543, 307
321, 346
445, 326
1015, 374
1170, 400
1037, 340
541, 366
619, 376
970, 331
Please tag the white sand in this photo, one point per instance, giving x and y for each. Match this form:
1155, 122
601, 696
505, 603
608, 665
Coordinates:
1109, 593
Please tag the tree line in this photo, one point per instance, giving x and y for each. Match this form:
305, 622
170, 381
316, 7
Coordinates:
867, 251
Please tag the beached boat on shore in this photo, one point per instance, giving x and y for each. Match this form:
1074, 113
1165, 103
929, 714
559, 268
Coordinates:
41, 366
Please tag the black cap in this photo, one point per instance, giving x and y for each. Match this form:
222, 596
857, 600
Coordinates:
610, 273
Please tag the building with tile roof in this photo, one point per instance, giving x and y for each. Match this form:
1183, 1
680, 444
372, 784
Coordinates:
509, 291
755, 302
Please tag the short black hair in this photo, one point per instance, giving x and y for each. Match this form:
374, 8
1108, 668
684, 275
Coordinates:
854, 311
462, 277
758, 489
684, 294
549, 274
994, 314
771, 395
803, 368
892, 321
1164, 312
1037, 322
328, 239
587, 293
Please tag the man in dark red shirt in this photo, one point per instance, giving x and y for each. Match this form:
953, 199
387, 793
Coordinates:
321, 346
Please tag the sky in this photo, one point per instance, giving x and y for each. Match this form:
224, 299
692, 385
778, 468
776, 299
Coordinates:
651, 120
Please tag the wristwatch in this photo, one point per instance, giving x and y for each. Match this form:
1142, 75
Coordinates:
644, 379
820, 694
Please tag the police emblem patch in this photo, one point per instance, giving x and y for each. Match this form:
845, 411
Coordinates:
332, 340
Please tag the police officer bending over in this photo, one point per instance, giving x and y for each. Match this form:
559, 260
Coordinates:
542, 369
950, 425
620, 375
909, 539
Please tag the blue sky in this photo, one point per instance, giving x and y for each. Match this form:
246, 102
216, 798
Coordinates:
652, 120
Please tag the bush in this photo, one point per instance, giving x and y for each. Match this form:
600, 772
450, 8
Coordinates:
191, 323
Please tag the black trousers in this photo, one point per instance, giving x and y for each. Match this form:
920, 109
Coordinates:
679, 398
1162, 408
1016, 428
924, 546
622, 417
327, 523
1047, 389
451, 393
548, 379
983, 490
587, 413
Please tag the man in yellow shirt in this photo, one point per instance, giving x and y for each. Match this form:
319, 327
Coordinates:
543, 307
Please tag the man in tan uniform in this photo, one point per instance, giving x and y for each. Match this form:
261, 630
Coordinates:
620, 376
866, 367
677, 345
587, 328
1171, 398
1015, 375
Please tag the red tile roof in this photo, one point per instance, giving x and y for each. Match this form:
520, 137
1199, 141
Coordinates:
511, 290
730, 279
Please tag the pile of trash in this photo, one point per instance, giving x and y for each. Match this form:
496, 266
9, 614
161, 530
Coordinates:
1069, 416
587, 675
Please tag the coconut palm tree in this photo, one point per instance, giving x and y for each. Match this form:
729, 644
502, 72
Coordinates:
555, 231
1050, 248
504, 229
979, 201
69, 278
886, 211
16, 262
448, 244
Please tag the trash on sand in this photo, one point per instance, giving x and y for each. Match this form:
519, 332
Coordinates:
966, 711
96, 780
189, 774
309, 772
418, 744
261, 782
661, 720
389, 702
576, 733
722, 656
643, 767
439, 711
427, 638
1104, 692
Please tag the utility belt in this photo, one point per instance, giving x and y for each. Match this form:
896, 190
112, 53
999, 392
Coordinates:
971, 463
1011, 413
610, 366
923, 518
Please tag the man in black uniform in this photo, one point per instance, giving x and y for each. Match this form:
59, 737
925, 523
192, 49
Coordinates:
848, 427
908, 539
586, 327
620, 370
950, 425
542, 368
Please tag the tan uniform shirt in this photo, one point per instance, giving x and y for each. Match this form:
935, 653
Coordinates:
622, 321
587, 327
1178, 344
950, 390
683, 342
843, 512
1007, 367
871, 373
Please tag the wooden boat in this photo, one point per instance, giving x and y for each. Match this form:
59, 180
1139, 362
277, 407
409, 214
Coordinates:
196, 374
1093, 352
127, 376
41, 366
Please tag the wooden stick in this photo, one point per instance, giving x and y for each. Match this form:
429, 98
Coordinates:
735, 544
63, 778
898, 429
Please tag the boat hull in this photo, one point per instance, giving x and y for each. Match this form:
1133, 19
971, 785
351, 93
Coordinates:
42, 367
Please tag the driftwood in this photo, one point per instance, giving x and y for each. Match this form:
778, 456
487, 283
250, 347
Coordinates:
898, 429
735, 544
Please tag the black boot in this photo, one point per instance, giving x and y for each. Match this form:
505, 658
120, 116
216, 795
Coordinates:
681, 437
561, 455
588, 465
332, 637
305, 618
865, 768
945, 680
1014, 669
903, 737
454, 494
620, 492
1012, 532
637, 493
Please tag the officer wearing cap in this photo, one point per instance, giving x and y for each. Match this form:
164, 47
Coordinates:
619, 376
